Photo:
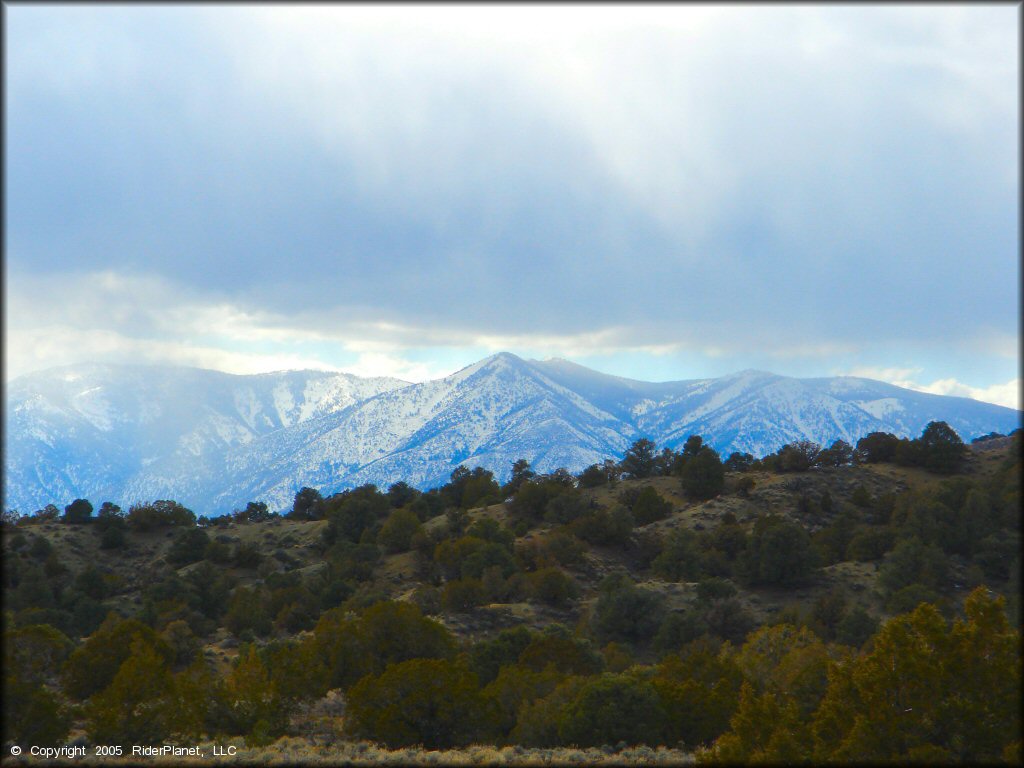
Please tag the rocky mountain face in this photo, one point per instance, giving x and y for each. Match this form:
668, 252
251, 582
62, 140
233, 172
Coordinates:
214, 441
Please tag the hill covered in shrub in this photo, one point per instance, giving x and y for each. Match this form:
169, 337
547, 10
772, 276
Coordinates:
848, 603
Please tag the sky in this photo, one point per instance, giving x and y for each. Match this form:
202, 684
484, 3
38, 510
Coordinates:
658, 192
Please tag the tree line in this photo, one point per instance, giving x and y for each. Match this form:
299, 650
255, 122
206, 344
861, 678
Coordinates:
939, 449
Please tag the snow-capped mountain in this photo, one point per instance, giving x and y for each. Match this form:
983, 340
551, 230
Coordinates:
488, 414
215, 441
759, 412
91, 430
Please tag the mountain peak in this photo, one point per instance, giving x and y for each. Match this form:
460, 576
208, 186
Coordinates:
494, 362
506, 357
215, 441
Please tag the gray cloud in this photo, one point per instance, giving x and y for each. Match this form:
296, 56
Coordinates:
728, 178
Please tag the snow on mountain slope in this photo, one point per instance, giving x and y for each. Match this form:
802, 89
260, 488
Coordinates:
488, 414
214, 441
88, 431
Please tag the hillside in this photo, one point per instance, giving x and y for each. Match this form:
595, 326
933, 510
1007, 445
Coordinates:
679, 576
294, 546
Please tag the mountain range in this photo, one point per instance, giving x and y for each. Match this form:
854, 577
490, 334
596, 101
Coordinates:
214, 441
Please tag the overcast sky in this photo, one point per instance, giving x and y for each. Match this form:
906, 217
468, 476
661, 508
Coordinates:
665, 192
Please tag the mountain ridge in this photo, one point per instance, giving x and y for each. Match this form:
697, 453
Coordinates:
217, 440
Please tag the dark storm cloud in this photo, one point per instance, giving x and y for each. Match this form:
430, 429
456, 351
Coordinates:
722, 177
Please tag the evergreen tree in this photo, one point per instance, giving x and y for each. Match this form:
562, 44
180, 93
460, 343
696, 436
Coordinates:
33, 712
94, 664
433, 702
650, 507
397, 532
189, 546
927, 689
941, 449
693, 445
78, 511
797, 457
613, 708
401, 493
703, 476
839, 454
639, 460
699, 686
625, 612
304, 507
779, 553
136, 707
766, 728
877, 447
738, 462
521, 472
252, 699
680, 559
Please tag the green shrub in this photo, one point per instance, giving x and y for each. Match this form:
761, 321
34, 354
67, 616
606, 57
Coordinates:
248, 612
515, 688
189, 546
650, 506
565, 507
677, 629
908, 598
537, 722
136, 707
145, 517
247, 555
605, 528
699, 689
113, 537
744, 485
552, 586
394, 632
613, 708
93, 665
489, 555
532, 497
593, 476
913, 562
77, 512
462, 595
779, 553
254, 705
856, 627
398, 530
680, 559
703, 476
713, 588
40, 548
861, 497
33, 714
625, 612
561, 652
217, 552
486, 657
433, 702
869, 543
